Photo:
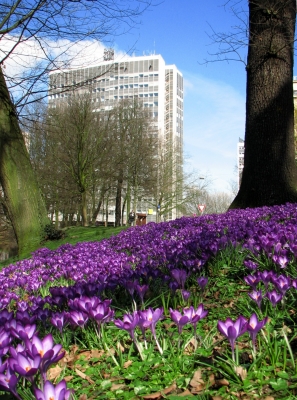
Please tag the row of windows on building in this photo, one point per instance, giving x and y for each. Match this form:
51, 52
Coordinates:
131, 86
142, 95
102, 80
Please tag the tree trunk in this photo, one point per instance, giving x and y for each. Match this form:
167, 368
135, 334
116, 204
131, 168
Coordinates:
23, 198
96, 211
84, 213
118, 208
270, 174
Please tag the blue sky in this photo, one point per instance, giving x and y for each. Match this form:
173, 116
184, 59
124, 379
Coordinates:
214, 102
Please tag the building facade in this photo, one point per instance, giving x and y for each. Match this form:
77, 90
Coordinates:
159, 87
240, 159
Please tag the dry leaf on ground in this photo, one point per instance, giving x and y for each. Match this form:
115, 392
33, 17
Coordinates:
54, 373
241, 372
159, 395
197, 383
84, 376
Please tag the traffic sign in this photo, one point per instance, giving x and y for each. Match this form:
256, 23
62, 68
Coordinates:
201, 207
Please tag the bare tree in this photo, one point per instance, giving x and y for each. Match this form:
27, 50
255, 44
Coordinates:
53, 28
133, 154
214, 203
80, 145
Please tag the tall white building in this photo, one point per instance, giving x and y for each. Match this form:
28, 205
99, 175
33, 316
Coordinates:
240, 159
147, 78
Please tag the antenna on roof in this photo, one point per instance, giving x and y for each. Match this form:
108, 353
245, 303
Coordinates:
108, 54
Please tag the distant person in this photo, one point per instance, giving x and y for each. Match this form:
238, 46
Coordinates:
131, 217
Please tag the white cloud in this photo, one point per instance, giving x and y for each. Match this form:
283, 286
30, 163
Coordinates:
32, 54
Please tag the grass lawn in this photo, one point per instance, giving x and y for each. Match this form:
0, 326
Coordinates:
200, 308
76, 234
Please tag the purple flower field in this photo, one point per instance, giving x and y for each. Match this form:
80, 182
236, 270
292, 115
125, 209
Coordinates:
154, 250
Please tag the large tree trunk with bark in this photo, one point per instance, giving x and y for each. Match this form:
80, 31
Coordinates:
270, 174
23, 200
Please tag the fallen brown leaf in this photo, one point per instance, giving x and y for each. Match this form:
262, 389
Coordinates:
157, 395
54, 373
91, 354
117, 386
84, 376
211, 379
191, 346
83, 397
222, 382
68, 378
128, 363
197, 382
185, 393
241, 372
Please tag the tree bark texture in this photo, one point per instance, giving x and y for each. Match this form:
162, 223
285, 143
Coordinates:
23, 198
270, 174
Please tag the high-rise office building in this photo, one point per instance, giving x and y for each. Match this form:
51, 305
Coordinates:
240, 159
159, 87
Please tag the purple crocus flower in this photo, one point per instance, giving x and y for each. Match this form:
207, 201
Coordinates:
281, 260
5, 338
48, 352
24, 317
180, 277
23, 332
154, 316
131, 286
129, 323
282, 283
232, 330
202, 282
9, 381
84, 304
50, 392
252, 280
185, 294
254, 326
145, 321
58, 320
25, 365
266, 277
179, 319
77, 318
274, 297
5, 316
102, 313
141, 291
257, 296
196, 315
251, 265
